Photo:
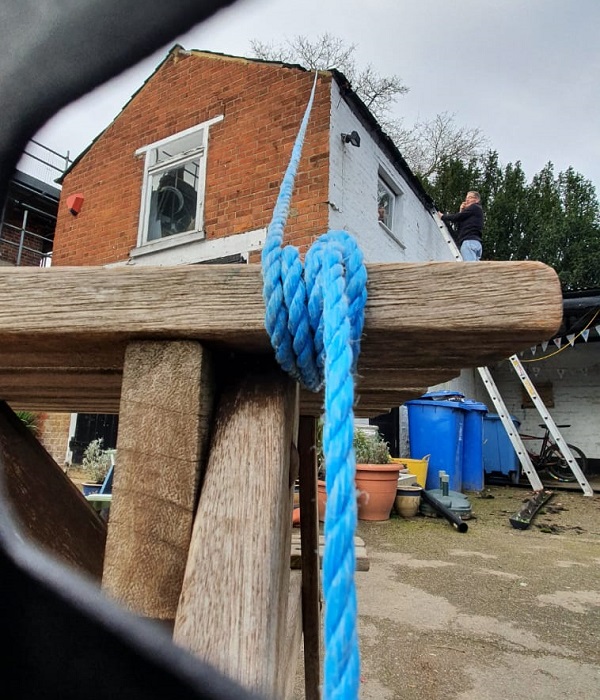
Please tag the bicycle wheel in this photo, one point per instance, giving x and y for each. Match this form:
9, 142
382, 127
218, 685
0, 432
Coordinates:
558, 467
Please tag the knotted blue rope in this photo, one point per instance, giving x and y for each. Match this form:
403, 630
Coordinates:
315, 317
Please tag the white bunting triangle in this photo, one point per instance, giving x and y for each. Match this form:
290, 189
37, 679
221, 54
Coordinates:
585, 334
597, 329
561, 373
544, 346
571, 339
533, 349
536, 371
558, 342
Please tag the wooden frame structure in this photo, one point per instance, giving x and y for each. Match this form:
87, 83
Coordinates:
213, 435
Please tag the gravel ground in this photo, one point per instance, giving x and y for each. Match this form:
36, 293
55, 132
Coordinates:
491, 614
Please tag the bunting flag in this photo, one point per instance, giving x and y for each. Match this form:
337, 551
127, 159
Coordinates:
597, 329
536, 371
585, 334
533, 349
571, 339
558, 342
544, 346
560, 372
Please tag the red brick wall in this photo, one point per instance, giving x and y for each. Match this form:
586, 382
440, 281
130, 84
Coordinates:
248, 152
55, 435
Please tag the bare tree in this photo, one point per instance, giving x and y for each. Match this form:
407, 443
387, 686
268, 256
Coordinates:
427, 143
424, 145
379, 93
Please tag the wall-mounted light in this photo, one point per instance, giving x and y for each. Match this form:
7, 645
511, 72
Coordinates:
352, 138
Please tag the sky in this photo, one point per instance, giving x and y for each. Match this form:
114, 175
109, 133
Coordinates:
524, 72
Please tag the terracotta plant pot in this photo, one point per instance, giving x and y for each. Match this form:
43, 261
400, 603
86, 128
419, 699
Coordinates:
376, 484
321, 500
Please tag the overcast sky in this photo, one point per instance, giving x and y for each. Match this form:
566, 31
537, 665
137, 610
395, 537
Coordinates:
525, 72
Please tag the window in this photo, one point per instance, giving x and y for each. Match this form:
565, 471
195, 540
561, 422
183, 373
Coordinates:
173, 188
386, 201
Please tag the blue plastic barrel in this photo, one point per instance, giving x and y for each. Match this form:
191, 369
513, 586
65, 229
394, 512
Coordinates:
499, 456
435, 428
472, 465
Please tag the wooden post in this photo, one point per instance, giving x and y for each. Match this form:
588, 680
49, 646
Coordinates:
233, 607
166, 408
50, 508
309, 530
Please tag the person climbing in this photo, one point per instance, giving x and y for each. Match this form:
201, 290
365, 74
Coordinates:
469, 227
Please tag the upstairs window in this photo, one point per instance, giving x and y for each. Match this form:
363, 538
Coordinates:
386, 201
174, 182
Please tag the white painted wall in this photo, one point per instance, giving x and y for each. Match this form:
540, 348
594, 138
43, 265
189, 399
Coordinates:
353, 177
575, 377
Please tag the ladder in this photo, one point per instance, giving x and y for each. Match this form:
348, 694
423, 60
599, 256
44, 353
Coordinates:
503, 414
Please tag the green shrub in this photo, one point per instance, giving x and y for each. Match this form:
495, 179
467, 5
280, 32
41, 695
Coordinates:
96, 462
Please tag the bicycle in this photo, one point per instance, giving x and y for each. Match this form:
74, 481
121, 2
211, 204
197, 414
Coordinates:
550, 459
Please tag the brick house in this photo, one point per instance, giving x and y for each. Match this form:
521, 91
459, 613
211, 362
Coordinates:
190, 169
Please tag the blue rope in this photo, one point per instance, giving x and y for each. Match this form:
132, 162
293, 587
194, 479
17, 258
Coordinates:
314, 317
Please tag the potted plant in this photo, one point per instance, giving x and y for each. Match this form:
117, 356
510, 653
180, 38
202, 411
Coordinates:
95, 466
376, 476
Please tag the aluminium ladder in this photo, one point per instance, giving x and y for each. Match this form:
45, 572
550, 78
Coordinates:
504, 415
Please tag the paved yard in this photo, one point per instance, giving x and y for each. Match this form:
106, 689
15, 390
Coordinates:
491, 614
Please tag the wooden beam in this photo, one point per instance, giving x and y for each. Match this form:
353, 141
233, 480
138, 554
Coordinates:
49, 507
233, 605
309, 531
164, 422
63, 331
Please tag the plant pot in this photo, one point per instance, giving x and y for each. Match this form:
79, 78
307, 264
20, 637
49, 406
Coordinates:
89, 488
408, 500
376, 485
321, 500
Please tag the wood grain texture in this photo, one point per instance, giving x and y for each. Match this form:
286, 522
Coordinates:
48, 506
233, 605
424, 322
293, 639
164, 423
309, 556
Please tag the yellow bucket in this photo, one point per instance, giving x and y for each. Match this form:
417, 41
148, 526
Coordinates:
418, 467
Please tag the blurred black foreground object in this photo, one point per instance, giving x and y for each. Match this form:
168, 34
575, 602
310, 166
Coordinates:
62, 637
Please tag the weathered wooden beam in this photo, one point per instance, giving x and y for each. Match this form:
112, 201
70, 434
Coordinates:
164, 423
293, 638
309, 532
223, 304
64, 331
233, 605
49, 507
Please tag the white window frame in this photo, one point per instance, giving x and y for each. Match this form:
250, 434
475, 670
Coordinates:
151, 168
396, 194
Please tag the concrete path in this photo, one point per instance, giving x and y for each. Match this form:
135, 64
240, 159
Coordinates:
491, 614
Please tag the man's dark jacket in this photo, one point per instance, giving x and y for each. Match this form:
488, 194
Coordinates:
469, 223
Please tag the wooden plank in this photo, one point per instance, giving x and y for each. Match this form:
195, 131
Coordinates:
523, 518
309, 536
161, 448
362, 558
293, 640
408, 302
59, 323
233, 605
50, 508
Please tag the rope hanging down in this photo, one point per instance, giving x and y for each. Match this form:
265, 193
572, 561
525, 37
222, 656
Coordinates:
315, 317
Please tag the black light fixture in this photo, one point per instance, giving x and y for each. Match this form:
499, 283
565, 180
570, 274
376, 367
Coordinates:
352, 138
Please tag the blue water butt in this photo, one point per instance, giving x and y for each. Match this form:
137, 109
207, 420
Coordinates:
435, 428
472, 465
499, 456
